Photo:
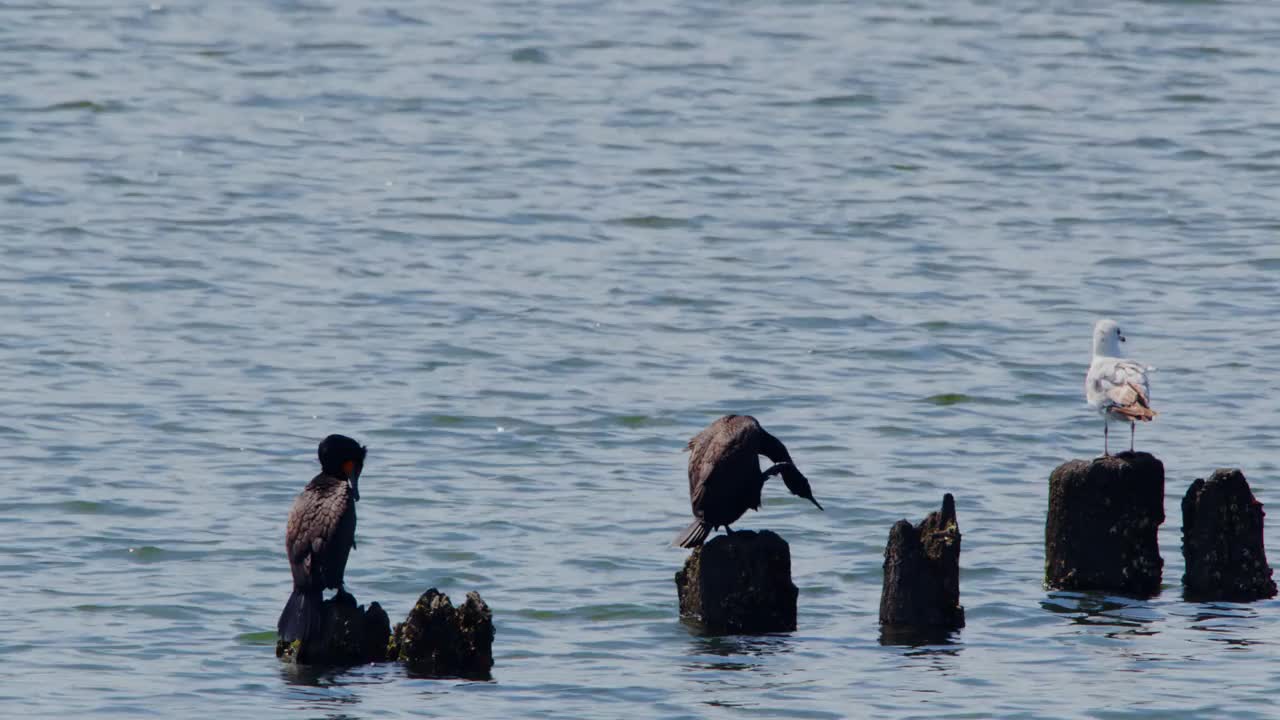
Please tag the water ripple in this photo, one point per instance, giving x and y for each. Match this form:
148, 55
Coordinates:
524, 251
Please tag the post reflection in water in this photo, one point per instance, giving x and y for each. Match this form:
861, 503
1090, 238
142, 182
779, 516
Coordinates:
941, 659
751, 649
1105, 611
311, 675
931, 648
915, 636
327, 690
1233, 625
711, 655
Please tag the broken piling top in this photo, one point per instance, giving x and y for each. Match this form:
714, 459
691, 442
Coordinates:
739, 583
1102, 524
922, 572
1222, 541
436, 639
440, 640
349, 635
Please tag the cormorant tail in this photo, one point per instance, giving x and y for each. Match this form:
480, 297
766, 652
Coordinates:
693, 536
302, 616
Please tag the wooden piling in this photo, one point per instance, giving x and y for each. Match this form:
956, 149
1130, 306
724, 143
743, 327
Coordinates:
1100, 532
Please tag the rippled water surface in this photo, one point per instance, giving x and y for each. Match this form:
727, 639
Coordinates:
524, 250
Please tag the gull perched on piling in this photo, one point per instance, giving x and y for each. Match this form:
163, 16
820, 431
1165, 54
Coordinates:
1115, 387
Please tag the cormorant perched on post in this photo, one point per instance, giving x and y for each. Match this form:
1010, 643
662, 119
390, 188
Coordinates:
320, 535
725, 477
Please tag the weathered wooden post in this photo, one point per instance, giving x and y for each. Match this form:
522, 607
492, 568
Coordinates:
349, 635
435, 639
1100, 532
922, 574
739, 583
1222, 541
438, 639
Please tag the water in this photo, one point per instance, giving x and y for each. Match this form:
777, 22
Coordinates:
525, 250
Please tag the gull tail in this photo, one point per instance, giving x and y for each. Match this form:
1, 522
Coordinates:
1129, 401
693, 536
1136, 412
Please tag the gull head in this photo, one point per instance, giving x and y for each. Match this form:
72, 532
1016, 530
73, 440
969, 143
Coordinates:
1107, 338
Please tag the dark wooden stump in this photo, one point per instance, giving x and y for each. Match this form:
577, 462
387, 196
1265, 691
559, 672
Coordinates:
348, 636
439, 640
922, 573
1222, 541
377, 633
739, 583
1100, 533
434, 640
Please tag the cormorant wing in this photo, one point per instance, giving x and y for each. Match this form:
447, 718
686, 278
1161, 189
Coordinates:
321, 517
724, 444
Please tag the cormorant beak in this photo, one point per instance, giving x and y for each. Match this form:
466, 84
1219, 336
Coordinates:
798, 484
353, 478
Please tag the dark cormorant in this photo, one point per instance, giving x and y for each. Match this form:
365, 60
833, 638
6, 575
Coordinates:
725, 477
320, 535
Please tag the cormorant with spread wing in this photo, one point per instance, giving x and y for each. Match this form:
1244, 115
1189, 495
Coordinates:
725, 477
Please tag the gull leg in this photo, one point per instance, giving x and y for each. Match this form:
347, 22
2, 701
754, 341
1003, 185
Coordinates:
1132, 425
1105, 452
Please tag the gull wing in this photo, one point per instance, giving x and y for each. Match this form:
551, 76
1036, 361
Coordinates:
1127, 390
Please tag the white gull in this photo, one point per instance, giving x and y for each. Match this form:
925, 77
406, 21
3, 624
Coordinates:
1115, 387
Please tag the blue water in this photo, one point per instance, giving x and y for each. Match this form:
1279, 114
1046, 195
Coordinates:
524, 251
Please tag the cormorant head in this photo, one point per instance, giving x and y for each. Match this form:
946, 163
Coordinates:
342, 457
795, 480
